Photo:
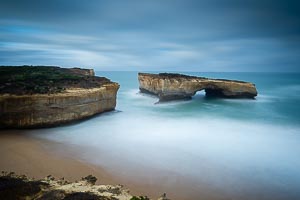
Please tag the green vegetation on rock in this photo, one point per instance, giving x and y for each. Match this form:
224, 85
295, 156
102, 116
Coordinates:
44, 79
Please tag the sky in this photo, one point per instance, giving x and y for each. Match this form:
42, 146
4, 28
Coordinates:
152, 35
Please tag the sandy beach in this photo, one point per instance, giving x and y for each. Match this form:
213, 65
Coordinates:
38, 158
34, 158
29, 156
23, 153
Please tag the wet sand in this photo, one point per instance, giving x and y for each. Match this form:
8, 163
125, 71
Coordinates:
31, 156
37, 158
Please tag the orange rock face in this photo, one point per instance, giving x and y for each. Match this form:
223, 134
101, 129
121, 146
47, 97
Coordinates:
44, 110
176, 86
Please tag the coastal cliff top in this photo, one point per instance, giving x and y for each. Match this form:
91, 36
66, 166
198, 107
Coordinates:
170, 75
22, 80
183, 76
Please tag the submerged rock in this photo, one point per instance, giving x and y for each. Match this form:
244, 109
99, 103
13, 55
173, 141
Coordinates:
42, 96
168, 86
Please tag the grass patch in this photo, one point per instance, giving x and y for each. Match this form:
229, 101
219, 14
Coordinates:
44, 79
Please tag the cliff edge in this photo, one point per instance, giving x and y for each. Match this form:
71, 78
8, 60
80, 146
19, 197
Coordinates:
39, 96
168, 86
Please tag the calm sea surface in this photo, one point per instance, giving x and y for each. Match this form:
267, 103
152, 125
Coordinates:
240, 149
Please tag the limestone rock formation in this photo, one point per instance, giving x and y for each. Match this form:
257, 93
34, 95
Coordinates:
169, 86
60, 96
22, 187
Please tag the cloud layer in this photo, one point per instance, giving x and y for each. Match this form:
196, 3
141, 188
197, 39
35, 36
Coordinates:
167, 35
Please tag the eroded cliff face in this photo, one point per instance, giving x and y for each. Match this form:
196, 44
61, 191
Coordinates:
85, 72
44, 110
176, 86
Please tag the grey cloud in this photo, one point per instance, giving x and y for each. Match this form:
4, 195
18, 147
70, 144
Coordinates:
153, 35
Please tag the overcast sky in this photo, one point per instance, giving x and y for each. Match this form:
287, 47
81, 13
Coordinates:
164, 35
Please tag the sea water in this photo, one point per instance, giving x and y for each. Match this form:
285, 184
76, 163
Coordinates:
237, 148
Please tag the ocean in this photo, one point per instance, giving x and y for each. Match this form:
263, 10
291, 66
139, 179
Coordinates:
218, 148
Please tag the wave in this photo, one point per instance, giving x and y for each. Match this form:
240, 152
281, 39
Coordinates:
212, 150
157, 140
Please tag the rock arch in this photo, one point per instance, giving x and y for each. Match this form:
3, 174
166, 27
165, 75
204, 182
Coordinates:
169, 86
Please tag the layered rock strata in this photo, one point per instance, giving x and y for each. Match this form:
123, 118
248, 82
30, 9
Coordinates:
168, 86
77, 100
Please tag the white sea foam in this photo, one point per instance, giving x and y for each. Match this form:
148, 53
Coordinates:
214, 150
226, 143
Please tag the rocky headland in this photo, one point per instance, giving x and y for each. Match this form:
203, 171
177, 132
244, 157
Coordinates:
40, 96
169, 86
14, 187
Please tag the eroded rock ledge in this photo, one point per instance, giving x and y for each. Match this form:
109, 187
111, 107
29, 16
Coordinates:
13, 186
49, 96
168, 86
